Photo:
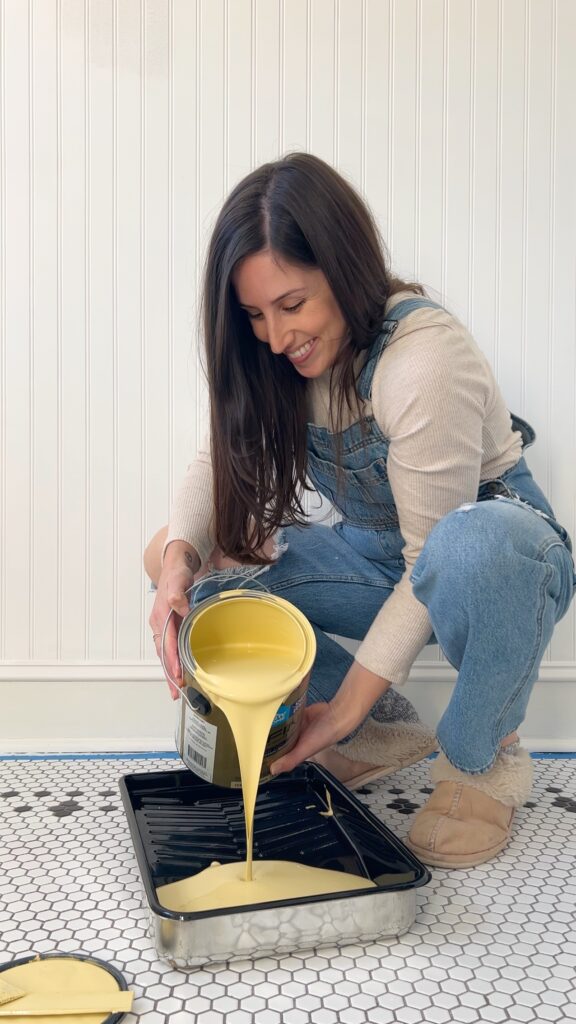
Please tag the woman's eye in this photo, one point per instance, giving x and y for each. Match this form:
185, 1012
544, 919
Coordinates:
287, 309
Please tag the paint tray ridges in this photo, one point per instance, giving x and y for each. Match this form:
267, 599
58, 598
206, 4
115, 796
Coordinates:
181, 824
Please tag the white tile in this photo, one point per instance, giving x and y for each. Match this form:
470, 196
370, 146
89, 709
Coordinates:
489, 944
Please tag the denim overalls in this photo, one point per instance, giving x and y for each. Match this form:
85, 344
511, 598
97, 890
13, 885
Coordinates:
492, 609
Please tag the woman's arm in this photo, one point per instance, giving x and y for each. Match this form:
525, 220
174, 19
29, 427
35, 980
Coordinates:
326, 723
175, 576
174, 557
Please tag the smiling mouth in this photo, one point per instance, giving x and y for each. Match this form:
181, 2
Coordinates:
298, 355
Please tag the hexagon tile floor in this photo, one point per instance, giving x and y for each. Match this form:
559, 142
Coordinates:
492, 943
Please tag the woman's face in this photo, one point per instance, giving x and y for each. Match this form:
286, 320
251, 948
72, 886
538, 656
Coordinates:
291, 309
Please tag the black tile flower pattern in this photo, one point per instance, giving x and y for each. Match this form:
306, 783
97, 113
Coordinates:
493, 943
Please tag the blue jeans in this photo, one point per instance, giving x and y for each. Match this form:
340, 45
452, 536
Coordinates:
496, 575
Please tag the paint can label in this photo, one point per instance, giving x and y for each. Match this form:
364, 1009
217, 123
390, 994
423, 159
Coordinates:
199, 744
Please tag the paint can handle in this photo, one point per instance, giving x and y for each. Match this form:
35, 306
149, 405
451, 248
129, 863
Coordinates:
162, 654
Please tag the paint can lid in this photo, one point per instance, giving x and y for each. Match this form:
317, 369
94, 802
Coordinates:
25, 980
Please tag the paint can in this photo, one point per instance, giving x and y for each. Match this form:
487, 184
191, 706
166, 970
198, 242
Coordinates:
249, 626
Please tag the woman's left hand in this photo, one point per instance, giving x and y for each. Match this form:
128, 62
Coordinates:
321, 727
326, 723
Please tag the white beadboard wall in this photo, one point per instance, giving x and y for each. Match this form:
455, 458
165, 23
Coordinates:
123, 125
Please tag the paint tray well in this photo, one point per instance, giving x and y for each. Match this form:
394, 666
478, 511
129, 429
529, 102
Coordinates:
180, 825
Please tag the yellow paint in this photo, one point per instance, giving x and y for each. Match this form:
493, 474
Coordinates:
232, 638
61, 976
260, 687
9, 992
224, 885
62, 1004
249, 659
329, 812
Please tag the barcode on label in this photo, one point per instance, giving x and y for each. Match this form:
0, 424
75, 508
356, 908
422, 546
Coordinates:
198, 759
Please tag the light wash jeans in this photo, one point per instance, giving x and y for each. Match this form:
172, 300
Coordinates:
496, 576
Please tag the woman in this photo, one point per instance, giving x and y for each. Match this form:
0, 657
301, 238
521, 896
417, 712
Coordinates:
321, 365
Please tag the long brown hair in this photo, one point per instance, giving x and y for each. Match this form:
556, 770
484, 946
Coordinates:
302, 210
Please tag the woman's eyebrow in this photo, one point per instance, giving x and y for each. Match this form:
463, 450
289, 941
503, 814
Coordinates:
246, 305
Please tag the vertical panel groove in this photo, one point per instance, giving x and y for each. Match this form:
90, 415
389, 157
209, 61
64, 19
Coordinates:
525, 188
472, 164
198, 192
171, 409
363, 101
551, 250
87, 228
226, 117
31, 338
498, 229
281, 45
336, 139
308, 72
418, 142
59, 459
445, 82
115, 423
3, 338
254, 82
142, 307
391, 130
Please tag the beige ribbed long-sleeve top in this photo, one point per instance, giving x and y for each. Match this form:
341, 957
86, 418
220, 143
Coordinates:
435, 398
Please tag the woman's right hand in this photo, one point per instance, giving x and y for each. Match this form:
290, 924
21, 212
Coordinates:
181, 562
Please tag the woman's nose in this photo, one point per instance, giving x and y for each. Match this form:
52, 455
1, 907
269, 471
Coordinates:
277, 338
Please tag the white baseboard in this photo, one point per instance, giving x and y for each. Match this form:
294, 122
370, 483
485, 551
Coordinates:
115, 708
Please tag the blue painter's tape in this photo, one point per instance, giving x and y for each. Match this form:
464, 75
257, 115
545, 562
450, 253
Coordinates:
167, 755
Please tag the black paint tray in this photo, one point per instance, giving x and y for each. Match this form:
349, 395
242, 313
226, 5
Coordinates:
180, 824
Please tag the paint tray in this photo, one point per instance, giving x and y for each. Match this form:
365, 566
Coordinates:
180, 824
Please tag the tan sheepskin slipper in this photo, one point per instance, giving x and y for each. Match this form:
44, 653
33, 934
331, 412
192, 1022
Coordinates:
468, 818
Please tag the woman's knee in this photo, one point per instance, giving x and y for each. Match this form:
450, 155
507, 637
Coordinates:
479, 538
463, 545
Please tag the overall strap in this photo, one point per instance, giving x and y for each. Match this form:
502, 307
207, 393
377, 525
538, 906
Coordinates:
397, 313
401, 309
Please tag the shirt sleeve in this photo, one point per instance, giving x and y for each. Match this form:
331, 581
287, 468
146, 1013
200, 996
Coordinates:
192, 515
429, 397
